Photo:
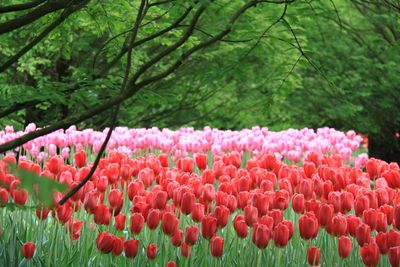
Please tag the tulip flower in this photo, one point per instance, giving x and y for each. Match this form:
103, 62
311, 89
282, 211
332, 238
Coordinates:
137, 222
28, 249
261, 235
191, 235
105, 242
313, 255
80, 158
344, 246
217, 246
131, 247
169, 223
151, 251
153, 219
208, 226
394, 256
281, 235
370, 254
120, 221
118, 246
308, 226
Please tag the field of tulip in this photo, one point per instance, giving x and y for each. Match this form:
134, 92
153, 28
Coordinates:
200, 198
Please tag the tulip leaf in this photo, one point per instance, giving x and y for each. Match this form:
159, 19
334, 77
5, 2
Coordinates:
39, 186
23, 263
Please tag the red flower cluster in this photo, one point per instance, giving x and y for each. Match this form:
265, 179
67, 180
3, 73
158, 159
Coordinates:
329, 196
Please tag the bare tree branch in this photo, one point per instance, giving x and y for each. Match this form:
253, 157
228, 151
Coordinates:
171, 48
36, 14
19, 7
66, 13
133, 86
144, 40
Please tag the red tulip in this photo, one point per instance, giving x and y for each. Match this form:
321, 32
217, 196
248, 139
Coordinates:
131, 247
370, 254
3, 196
314, 255
187, 164
74, 228
120, 221
54, 164
363, 234
222, 215
281, 199
290, 226
90, 201
309, 169
186, 250
298, 203
118, 246
372, 168
352, 224
281, 235
397, 217
115, 198
208, 193
42, 213
382, 242
153, 219
176, 239
261, 235
306, 187
393, 238
347, 200
64, 213
389, 211
217, 246
201, 161
370, 217
325, 214
169, 223
80, 158
102, 215
151, 251
240, 227
105, 242
308, 226
112, 172
344, 246
135, 188
20, 196
191, 234
187, 203
163, 158
268, 162
171, 264
277, 215
102, 184
394, 256
335, 199
137, 222
160, 200
250, 215
28, 249
361, 203
208, 226
381, 222
338, 225
198, 212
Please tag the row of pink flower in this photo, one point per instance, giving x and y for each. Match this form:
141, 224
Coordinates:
292, 144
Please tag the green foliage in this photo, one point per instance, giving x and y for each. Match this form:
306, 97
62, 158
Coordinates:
40, 187
329, 63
